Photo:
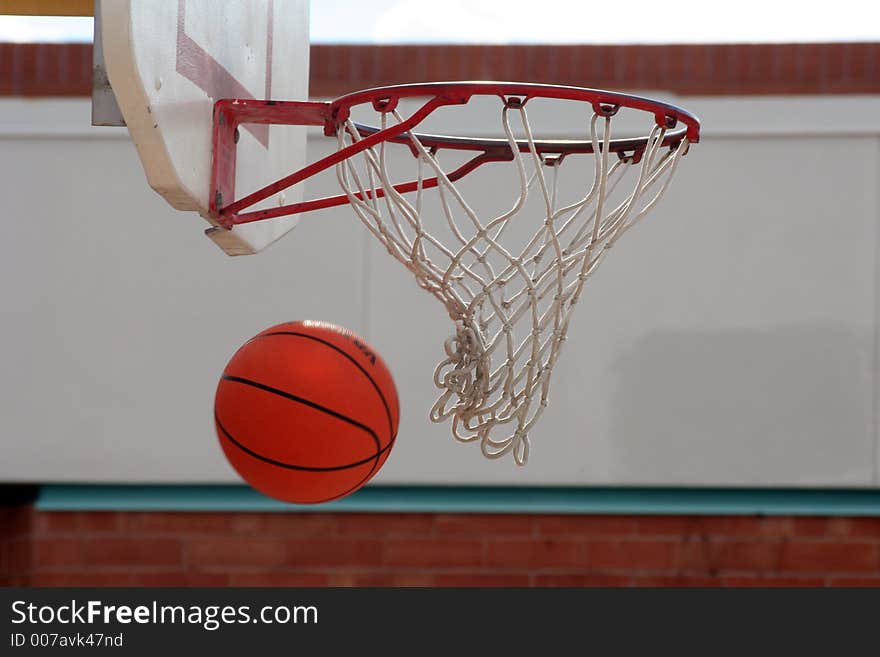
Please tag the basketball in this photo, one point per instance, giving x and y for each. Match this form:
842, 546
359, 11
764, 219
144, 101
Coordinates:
306, 412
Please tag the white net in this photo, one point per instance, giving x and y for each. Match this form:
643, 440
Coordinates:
510, 280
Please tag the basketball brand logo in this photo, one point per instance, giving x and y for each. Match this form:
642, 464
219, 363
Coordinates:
366, 350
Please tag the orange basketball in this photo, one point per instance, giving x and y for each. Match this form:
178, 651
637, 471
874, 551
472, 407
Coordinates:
306, 412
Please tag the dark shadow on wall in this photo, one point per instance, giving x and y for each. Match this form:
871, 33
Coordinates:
18, 494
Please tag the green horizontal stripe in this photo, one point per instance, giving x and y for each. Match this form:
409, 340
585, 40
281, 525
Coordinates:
414, 499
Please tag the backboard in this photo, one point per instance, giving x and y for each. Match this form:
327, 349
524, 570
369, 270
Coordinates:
168, 61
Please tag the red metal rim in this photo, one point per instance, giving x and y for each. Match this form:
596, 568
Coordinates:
679, 122
228, 211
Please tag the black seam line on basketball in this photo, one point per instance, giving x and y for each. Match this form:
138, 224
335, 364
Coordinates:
291, 466
363, 480
348, 356
305, 402
353, 362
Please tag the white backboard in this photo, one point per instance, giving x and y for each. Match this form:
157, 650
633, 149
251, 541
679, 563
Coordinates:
168, 61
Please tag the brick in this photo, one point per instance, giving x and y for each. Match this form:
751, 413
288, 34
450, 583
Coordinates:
479, 524
55, 522
710, 63
53, 553
26, 68
660, 62
468, 59
482, 579
647, 59
99, 522
180, 578
360, 67
285, 525
545, 62
382, 579
179, 523
83, 579
742, 526
384, 524
834, 65
333, 552
668, 525
436, 65
811, 63
235, 551
349, 579
836, 527
7, 69
318, 66
854, 581
337, 65
379, 63
410, 579
693, 555
514, 64
697, 69
818, 526
412, 60
787, 65
601, 62
582, 580
863, 527
566, 65
769, 581
440, 553
278, 579
766, 60
740, 64
732, 555
677, 580
39, 70
491, 63
536, 554
860, 64
132, 552
638, 555
593, 525
840, 557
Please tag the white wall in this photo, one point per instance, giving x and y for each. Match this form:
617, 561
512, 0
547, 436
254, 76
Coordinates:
731, 339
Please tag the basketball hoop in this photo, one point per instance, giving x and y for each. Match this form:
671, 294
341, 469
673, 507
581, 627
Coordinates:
510, 302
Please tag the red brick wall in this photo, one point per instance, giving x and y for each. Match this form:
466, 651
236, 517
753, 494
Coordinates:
330, 549
42, 69
814, 68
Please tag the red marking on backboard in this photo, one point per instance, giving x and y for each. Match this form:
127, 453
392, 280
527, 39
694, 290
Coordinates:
199, 67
